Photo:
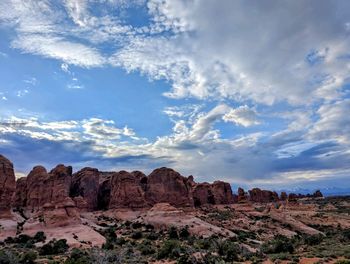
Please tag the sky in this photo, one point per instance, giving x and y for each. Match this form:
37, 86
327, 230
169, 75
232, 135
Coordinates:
256, 93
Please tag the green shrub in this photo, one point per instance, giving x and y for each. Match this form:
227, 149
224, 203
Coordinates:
173, 234
278, 245
136, 235
78, 256
184, 233
54, 247
170, 249
313, 240
28, 257
343, 261
40, 237
146, 248
8, 256
152, 236
228, 250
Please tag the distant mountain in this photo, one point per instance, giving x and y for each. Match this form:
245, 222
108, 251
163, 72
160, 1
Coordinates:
330, 191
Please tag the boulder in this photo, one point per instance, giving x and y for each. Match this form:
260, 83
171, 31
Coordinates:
7, 185
165, 185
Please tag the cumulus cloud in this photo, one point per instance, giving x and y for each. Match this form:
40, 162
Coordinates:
271, 55
242, 115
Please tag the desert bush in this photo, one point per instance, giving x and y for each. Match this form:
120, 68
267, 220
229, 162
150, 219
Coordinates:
184, 233
313, 239
39, 237
54, 247
278, 245
152, 236
78, 256
137, 235
228, 250
146, 248
136, 225
170, 249
28, 257
8, 256
343, 261
173, 234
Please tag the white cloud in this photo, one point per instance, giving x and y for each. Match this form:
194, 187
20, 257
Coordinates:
58, 48
243, 116
333, 122
22, 93
65, 67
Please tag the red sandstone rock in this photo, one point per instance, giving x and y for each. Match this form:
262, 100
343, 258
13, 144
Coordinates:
37, 188
20, 197
262, 196
84, 188
222, 192
284, 196
217, 193
242, 197
165, 185
7, 185
126, 191
317, 194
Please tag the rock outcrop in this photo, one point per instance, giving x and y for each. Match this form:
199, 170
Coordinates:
217, 193
85, 187
263, 196
7, 185
242, 196
165, 185
126, 191
59, 194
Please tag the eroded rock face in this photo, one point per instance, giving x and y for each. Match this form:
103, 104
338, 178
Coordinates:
7, 185
217, 193
38, 189
202, 194
262, 196
242, 197
317, 194
222, 192
126, 191
20, 197
284, 196
165, 185
85, 187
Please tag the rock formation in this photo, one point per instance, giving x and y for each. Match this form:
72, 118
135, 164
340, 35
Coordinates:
165, 185
217, 193
242, 196
7, 185
59, 195
262, 196
284, 196
126, 191
85, 187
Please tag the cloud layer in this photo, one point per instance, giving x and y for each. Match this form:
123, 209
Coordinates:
271, 80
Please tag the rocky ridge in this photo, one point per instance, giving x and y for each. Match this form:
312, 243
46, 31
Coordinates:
92, 190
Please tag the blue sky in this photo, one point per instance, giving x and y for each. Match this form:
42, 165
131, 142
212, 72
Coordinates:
252, 92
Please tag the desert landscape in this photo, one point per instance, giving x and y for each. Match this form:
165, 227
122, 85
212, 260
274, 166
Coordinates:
120, 217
